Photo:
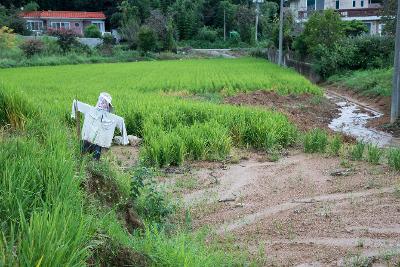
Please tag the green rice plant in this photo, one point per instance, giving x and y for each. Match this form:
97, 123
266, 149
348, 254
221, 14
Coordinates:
394, 159
374, 154
357, 151
335, 144
315, 141
14, 110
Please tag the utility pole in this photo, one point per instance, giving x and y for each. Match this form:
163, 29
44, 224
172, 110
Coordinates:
280, 54
257, 14
395, 109
224, 25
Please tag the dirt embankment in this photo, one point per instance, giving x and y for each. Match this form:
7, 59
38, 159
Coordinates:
306, 111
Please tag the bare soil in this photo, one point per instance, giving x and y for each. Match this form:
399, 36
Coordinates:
303, 209
306, 111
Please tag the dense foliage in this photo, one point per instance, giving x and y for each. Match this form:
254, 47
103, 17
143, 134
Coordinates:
180, 20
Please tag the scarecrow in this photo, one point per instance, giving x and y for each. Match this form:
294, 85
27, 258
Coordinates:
99, 125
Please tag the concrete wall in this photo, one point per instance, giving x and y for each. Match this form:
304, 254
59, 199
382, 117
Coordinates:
91, 42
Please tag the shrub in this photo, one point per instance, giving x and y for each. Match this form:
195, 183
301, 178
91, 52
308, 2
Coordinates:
234, 37
149, 200
357, 151
207, 34
7, 38
92, 31
315, 141
353, 53
394, 159
66, 38
147, 39
32, 47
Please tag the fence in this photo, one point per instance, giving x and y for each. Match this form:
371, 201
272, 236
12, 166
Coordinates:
304, 68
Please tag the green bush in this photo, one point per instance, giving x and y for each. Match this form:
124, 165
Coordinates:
353, 53
147, 39
207, 34
394, 159
92, 31
315, 141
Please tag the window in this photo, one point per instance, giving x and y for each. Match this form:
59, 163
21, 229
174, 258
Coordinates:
60, 25
77, 24
35, 25
310, 4
320, 4
354, 3
337, 4
368, 24
98, 24
362, 3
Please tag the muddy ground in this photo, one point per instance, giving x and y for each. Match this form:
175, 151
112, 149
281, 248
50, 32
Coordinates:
306, 111
301, 210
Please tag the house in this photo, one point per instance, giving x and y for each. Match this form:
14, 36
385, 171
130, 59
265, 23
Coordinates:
362, 10
40, 21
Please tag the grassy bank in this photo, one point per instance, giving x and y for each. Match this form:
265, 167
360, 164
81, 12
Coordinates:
50, 216
375, 82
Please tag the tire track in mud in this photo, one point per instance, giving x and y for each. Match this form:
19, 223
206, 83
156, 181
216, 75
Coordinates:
252, 218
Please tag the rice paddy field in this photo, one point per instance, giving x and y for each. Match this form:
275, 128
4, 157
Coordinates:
46, 219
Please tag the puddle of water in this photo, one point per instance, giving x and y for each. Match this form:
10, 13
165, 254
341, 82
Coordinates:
353, 121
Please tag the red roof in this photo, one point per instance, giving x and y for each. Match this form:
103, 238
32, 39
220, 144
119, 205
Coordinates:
63, 14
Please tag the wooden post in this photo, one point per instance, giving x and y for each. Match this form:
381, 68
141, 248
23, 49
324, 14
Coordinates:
78, 120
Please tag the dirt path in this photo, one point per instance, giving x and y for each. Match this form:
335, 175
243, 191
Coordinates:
299, 211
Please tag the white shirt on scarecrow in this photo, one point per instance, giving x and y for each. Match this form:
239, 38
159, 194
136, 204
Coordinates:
99, 124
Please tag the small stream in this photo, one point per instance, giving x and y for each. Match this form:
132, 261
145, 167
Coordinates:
353, 119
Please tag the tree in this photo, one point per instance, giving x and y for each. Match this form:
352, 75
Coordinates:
354, 28
147, 39
389, 15
31, 6
323, 28
11, 19
129, 32
244, 22
157, 21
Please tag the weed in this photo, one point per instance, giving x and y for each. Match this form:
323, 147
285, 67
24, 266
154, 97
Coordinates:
315, 141
394, 158
357, 151
335, 144
374, 154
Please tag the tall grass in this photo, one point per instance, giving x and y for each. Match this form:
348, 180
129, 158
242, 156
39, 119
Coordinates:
394, 159
375, 82
315, 141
